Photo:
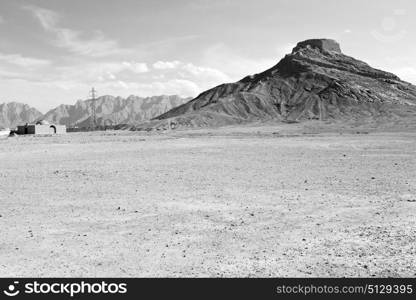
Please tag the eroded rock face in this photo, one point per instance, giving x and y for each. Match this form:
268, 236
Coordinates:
13, 114
321, 44
112, 110
315, 81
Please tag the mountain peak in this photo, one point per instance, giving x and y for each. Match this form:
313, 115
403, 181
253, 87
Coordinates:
113, 110
15, 113
324, 45
316, 81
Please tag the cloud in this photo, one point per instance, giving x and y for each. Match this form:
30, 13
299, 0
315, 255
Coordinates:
204, 5
4, 74
74, 81
179, 87
163, 65
2, 20
135, 67
123, 78
170, 41
47, 18
169, 77
96, 44
102, 72
23, 61
236, 66
220, 64
198, 70
208, 77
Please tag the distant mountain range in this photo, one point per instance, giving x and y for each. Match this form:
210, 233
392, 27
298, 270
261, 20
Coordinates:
13, 114
109, 111
113, 110
315, 81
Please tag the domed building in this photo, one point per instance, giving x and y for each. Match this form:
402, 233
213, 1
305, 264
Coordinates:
42, 122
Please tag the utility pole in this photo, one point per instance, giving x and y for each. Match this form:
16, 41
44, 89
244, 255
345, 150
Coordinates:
93, 94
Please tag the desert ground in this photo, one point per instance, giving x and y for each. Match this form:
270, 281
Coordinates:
257, 201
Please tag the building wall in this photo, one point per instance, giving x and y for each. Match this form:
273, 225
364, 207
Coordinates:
60, 129
41, 129
29, 129
44, 129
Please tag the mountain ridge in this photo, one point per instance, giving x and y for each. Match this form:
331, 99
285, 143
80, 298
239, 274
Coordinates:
113, 110
110, 110
16, 113
315, 81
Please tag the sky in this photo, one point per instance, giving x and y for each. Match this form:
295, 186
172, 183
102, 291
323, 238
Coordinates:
54, 51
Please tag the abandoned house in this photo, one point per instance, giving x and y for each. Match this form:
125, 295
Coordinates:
41, 127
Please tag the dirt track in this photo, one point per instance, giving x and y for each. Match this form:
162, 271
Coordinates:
208, 203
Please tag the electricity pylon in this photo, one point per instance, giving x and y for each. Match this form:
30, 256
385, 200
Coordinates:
93, 94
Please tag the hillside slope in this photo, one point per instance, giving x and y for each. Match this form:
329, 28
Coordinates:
315, 81
113, 110
14, 113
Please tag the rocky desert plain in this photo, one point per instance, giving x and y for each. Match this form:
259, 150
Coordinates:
306, 169
260, 200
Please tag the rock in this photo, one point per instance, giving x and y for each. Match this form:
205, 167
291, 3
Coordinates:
315, 81
113, 110
320, 44
14, 113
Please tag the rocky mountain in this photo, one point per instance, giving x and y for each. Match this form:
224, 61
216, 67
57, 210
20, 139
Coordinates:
14, 113
113, 110
315, 81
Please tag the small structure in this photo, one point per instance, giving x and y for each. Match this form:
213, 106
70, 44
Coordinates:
41, 127
4, 132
